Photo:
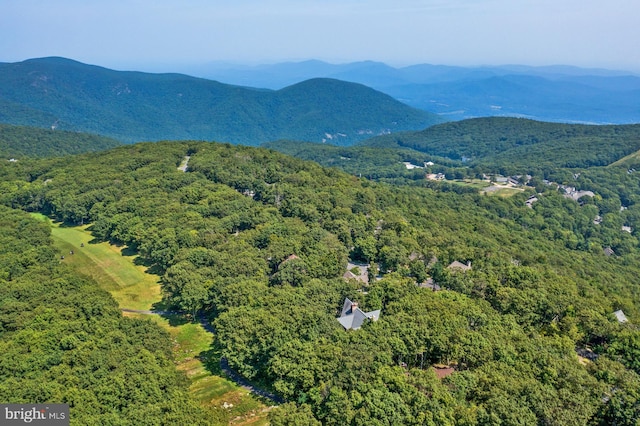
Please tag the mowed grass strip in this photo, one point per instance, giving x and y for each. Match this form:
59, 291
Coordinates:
127, 282
133, 288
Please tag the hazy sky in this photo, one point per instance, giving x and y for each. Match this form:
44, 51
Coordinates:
127, 34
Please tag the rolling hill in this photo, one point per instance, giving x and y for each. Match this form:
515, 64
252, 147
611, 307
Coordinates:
133, 106
23, 141
518, 141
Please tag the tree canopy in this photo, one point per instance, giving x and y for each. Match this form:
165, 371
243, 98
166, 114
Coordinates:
258, 242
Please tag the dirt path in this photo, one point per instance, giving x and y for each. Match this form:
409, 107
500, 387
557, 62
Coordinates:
241, 381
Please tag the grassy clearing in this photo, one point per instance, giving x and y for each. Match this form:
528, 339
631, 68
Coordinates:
502, 191
193, 355
506, 192
134, 288
474, 183
127, 282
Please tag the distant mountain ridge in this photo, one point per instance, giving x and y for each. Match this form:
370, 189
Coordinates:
551, 93
133, 106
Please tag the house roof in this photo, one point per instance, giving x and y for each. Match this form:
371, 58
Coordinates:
363, 271
458, 265
620, 316
346, 307
349, 276
353, 317
444, 372
430, 283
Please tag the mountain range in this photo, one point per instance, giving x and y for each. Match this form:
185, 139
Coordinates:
133, 106
552, 93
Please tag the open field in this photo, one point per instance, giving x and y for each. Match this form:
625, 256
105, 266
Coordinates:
474, 183
136, 289
127, 282
502, 191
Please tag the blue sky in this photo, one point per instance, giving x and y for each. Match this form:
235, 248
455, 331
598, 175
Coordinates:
146, 34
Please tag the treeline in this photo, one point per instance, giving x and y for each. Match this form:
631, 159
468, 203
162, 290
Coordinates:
18, 142
258, 242
64, 340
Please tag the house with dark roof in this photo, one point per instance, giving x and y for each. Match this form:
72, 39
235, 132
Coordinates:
352, 317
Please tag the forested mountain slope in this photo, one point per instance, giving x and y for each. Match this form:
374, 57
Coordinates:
134, 106
259, 241
520, 142
21, 141
365, 161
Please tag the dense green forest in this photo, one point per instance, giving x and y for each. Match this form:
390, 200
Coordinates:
517, 143
258, 242
19, 141
135, 106
64, 340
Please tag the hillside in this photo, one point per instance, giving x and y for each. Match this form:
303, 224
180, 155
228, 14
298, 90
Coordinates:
133, 106
258, 243
553, 93
370, 162
501, 141
20, 141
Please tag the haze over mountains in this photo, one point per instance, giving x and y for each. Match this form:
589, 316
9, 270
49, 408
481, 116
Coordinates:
133, 106
552, 93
